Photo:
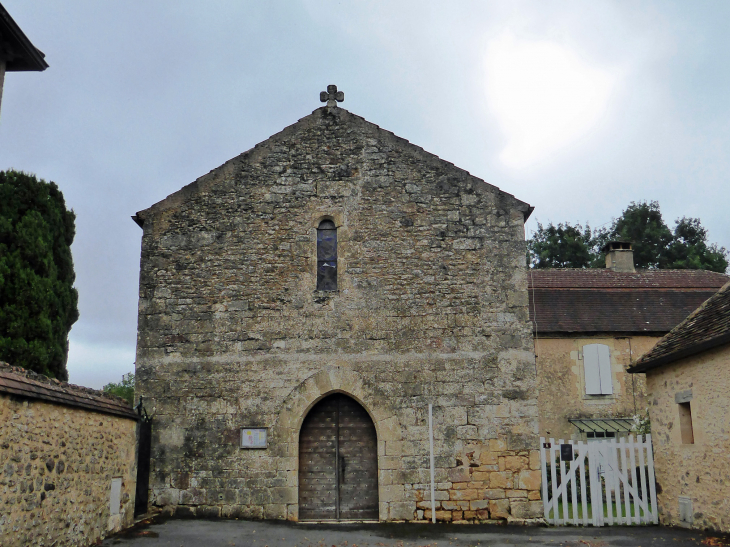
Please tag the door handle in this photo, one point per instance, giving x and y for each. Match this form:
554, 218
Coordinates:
342, 469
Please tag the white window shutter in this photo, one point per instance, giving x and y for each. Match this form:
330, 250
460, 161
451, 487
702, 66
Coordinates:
590, 367
604, 368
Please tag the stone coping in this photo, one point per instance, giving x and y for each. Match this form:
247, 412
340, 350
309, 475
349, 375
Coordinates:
25, 383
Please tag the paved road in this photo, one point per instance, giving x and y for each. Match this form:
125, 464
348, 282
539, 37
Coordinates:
241, 533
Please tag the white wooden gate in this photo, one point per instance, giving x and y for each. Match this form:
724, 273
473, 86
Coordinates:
607, 482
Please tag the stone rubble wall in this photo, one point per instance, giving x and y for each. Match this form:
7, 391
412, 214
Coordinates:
431, 307
56, 468
699, 471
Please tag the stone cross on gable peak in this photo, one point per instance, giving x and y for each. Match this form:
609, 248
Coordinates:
332, 96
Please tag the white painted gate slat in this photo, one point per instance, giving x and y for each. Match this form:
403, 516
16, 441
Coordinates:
554, 480
644, 492
573, 490
564, 488
635, 490
621, 486
582, 453
652, 484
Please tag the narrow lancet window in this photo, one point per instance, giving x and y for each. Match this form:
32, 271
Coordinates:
326, 256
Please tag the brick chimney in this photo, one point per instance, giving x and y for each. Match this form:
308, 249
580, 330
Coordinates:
619, 256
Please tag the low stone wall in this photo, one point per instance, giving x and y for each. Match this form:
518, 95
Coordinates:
61, 447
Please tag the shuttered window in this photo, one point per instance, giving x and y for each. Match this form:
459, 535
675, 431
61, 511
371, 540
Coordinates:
597, 367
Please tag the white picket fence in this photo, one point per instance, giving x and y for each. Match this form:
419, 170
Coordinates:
589, 489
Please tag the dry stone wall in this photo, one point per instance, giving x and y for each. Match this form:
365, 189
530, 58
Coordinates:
431, 307
57, 463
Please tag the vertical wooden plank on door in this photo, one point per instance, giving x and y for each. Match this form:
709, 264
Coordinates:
358, 462
317, 462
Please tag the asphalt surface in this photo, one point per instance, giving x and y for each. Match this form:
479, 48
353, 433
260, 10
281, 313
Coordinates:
162, 532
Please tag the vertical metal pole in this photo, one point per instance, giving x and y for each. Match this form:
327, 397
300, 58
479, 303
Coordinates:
430, 439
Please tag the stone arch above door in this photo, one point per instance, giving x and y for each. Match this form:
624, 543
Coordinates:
340, 379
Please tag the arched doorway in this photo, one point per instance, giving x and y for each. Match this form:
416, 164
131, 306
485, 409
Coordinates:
338, 462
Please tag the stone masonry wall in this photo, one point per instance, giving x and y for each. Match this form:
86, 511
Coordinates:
431, 307
561, 382
699, 471
56, 468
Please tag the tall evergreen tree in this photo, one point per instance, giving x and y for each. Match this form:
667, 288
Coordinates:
38, 303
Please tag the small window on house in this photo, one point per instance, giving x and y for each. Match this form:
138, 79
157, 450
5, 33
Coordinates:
597, 369
685, 423
326, 256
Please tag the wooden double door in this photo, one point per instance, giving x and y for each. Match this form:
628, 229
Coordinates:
338, 462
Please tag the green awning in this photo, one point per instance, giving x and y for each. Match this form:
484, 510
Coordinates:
603, 425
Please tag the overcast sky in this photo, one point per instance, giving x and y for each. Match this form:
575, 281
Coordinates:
577, 108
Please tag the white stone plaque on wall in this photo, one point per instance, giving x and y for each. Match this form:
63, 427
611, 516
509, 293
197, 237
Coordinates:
253, 437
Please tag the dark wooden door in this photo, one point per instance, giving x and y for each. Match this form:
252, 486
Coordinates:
338, 462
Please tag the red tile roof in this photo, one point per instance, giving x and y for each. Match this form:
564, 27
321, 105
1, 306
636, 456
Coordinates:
565, 301
706, 328
24, 383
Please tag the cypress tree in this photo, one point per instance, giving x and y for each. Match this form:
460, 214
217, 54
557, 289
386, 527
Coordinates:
38, 303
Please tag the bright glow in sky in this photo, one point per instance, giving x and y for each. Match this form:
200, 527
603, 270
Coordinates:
543, 95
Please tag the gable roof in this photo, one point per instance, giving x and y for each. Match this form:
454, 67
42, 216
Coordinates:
593, 301
16, 49
706, 328
290, 134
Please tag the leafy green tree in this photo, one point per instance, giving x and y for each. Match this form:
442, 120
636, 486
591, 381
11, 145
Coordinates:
561, 246
38, 303
124, 389
654, 244
641, 224
689, 248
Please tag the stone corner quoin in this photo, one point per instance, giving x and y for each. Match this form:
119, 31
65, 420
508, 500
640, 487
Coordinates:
430, 308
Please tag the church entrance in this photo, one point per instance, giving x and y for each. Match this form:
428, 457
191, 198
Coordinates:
338, 462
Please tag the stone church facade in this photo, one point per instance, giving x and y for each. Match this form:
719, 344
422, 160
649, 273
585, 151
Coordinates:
324, 288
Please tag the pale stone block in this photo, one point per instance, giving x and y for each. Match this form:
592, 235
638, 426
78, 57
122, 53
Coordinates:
529, 480
466, 495
478, 504
499, 509
534, 459
516, 493
515, 463
494, 494
534, 495
403, 511
501, 479
392, 493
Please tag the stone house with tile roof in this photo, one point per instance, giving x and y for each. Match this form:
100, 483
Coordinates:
589, 325
688, 381
303, 305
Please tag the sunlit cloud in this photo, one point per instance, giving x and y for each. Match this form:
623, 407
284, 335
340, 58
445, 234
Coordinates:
544, 97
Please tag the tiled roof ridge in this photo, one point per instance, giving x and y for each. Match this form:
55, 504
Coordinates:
670, 347
599, 278
19, 381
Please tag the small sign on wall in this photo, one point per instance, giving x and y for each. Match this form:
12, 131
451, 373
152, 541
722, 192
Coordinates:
254, 437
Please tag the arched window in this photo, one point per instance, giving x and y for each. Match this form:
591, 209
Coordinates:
326, 256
